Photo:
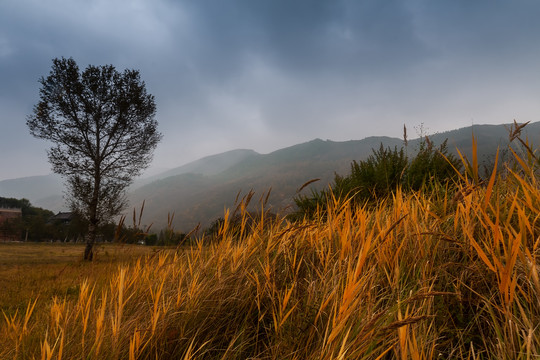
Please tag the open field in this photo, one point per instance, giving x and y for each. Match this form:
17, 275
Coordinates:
450, 272
45, 270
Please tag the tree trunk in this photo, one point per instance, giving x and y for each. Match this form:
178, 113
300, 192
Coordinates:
93, 219
88, 251
90, 239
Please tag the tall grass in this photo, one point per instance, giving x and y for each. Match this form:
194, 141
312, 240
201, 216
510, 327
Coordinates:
451, 272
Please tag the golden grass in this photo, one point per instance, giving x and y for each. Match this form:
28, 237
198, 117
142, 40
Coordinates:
45, 270
420, 276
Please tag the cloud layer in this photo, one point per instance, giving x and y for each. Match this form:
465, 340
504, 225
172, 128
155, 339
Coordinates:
268, 74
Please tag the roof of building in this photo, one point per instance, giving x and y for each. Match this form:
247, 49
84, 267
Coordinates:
10, 210
62, 216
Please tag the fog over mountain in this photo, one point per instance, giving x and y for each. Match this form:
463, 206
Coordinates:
198, 192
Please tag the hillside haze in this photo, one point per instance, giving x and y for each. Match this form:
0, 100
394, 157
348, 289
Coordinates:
199, 198
198, 192
209, 165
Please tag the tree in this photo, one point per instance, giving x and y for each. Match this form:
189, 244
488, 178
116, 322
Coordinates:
102, 125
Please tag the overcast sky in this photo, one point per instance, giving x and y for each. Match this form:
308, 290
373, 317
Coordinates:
266, 74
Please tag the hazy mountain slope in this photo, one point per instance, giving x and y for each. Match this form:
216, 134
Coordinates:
199, 191
46, 191
315, 151
33, 186
489, 138
43, 191
209, 165
203, 199
285, 170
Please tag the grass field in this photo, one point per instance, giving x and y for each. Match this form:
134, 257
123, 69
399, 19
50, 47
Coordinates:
452, 272
44, 270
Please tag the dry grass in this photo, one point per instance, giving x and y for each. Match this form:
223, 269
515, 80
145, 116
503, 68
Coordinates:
45, 270
449, 274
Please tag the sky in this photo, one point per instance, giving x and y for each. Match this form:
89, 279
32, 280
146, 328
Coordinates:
267, 74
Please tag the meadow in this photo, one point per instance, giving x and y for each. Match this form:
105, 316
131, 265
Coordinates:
31, 270
449, 272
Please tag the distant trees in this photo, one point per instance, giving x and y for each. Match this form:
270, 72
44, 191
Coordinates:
32, 225
102, 125
35, 223
382, 173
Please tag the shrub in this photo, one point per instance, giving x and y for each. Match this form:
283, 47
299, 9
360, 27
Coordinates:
381, 174
431, 164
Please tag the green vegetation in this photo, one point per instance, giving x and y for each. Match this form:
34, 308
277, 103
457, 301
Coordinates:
382, 174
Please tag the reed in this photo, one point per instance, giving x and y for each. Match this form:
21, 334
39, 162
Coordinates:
450, 272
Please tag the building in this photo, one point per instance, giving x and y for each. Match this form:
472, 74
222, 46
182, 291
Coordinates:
62, 217
9, 219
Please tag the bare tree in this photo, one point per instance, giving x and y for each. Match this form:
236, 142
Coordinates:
102, 125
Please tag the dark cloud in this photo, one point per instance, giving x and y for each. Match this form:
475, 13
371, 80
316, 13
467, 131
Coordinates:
304, 37
267, 74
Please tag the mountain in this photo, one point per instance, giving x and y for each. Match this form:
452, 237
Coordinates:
209, 165
200, 198
46, 191
488, 137
43, 191
199, 192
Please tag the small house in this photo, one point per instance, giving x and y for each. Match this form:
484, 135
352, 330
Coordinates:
61, 217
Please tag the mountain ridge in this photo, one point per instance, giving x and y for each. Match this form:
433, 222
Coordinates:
199, 191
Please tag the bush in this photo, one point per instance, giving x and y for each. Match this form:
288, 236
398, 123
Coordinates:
431, 165
150, 239
169, 237
374, 178
377, 177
